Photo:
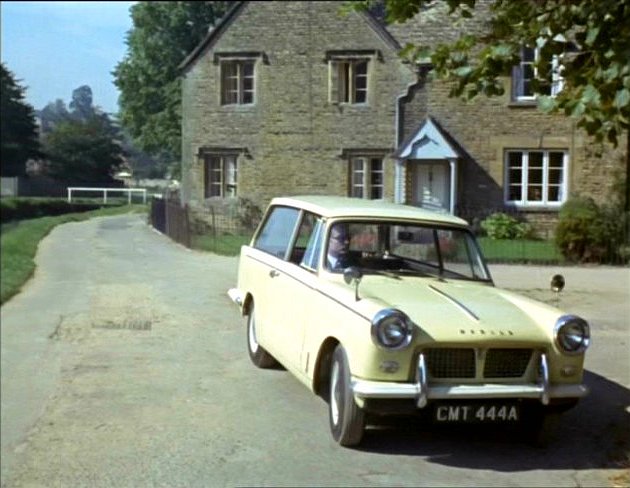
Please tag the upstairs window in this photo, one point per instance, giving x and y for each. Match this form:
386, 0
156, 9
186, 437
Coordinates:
536, 178
349, 81
366, 178
221, 176
526, 71
237, 82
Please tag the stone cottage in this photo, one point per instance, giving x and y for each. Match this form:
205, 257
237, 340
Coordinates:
285, 98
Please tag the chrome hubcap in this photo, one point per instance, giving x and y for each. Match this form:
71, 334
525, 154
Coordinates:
253, 343
334, 393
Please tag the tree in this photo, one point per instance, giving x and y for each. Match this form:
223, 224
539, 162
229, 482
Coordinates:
19, 131
81, 104
53, 114
83, 152
163, 34
587, 41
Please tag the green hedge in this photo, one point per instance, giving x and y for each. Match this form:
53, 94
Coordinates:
20, 208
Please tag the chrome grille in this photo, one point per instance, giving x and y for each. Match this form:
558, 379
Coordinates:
450, 363
506, 363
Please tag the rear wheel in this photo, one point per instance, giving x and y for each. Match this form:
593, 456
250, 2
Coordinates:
347, 420
257, 354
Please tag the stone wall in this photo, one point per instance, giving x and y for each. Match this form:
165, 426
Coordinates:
293, 135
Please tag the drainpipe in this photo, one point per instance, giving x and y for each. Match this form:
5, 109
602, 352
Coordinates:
453, 202
400, 173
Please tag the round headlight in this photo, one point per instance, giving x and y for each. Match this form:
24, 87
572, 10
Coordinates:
572, 334
392, 329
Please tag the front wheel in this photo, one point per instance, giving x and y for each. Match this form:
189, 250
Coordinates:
347, 420
259, 356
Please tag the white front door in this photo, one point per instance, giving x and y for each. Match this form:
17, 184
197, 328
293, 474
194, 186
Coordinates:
431, 185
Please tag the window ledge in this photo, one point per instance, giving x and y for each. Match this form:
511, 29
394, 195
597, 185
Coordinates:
523, 104
237, 107
535, 208
346, 105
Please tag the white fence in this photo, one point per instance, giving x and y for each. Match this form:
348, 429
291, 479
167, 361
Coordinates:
105, 191
9, 186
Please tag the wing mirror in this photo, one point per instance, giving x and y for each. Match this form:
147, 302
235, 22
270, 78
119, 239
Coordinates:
352, 274
557, 285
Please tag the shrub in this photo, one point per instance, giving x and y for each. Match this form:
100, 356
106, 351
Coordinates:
19, 208
503, 226
587, 232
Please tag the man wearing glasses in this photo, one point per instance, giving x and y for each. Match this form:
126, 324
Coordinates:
339, 256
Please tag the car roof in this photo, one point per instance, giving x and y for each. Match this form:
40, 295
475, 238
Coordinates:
338, 207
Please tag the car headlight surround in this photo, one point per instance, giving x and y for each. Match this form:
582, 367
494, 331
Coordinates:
572, 334
392, 329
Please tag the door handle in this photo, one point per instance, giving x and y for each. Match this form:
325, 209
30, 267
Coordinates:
273, 273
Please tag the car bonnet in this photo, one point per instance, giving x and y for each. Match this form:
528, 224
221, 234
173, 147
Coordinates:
461, 310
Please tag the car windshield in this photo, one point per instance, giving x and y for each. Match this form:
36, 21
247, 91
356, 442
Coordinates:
394, 248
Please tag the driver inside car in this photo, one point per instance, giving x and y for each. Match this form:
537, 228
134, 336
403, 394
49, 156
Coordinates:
339, 256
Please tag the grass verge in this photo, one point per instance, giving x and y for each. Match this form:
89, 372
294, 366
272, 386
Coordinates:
225, 245
19, 241
520, 251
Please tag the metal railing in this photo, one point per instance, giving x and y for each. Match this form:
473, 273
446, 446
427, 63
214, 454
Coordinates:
105, 191
172, 219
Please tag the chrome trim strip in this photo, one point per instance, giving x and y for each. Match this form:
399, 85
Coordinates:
456, 302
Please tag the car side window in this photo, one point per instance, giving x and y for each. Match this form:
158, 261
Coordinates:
313, 248
275, 235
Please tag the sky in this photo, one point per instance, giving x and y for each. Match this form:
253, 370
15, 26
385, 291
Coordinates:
53, 48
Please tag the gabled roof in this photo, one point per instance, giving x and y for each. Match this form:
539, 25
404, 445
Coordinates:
214, 34
429, 141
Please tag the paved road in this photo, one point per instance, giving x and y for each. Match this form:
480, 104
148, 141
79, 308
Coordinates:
124, 364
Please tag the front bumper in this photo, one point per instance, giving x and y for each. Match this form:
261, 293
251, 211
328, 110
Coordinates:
422, 392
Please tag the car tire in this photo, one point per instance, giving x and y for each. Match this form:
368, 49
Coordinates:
259, 356
347, 420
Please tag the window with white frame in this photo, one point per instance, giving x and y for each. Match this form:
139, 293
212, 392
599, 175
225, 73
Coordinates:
526, 72
237, 81
536, 177
348, 81
367, 177
220, 176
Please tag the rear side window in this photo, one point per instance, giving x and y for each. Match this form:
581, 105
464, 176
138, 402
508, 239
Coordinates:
275, 235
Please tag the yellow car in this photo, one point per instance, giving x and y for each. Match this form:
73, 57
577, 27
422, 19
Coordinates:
386, 309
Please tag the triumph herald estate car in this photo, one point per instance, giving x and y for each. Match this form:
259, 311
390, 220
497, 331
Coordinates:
386, 309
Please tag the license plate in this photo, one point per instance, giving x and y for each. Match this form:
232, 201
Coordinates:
476, 413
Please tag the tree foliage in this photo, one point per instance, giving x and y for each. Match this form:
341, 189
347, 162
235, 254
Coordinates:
83, 151
163, 34
588, 41
19, 132
81, 104
53, 114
